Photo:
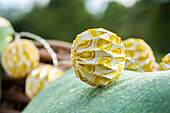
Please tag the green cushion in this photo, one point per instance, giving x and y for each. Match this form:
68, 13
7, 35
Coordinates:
132, 92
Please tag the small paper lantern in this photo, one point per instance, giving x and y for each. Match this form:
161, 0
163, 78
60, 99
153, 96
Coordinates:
40, 78
19, 58
165, 64
141, 52
6, 30
98, 56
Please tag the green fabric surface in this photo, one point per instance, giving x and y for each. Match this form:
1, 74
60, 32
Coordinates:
133, 92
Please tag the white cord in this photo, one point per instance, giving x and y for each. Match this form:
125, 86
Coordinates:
42, 41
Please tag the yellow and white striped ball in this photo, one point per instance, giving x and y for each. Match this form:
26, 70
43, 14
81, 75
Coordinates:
98, 56
19, 58
40, 78
141, 52
165, 64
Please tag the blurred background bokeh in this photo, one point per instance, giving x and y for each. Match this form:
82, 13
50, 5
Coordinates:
64, 19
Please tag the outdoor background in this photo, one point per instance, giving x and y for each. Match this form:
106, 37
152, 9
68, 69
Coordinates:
64, 19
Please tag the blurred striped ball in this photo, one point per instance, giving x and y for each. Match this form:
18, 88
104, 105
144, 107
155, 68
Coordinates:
19, 58
141, 52
40, 78
165, 64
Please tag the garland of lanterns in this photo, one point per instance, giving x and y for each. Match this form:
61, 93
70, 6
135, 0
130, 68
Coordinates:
98, 57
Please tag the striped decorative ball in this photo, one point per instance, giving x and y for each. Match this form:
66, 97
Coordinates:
98, 56
19, 58
141, 52
40, 78
165, 64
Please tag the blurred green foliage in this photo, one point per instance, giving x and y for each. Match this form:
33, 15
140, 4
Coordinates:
64, 19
